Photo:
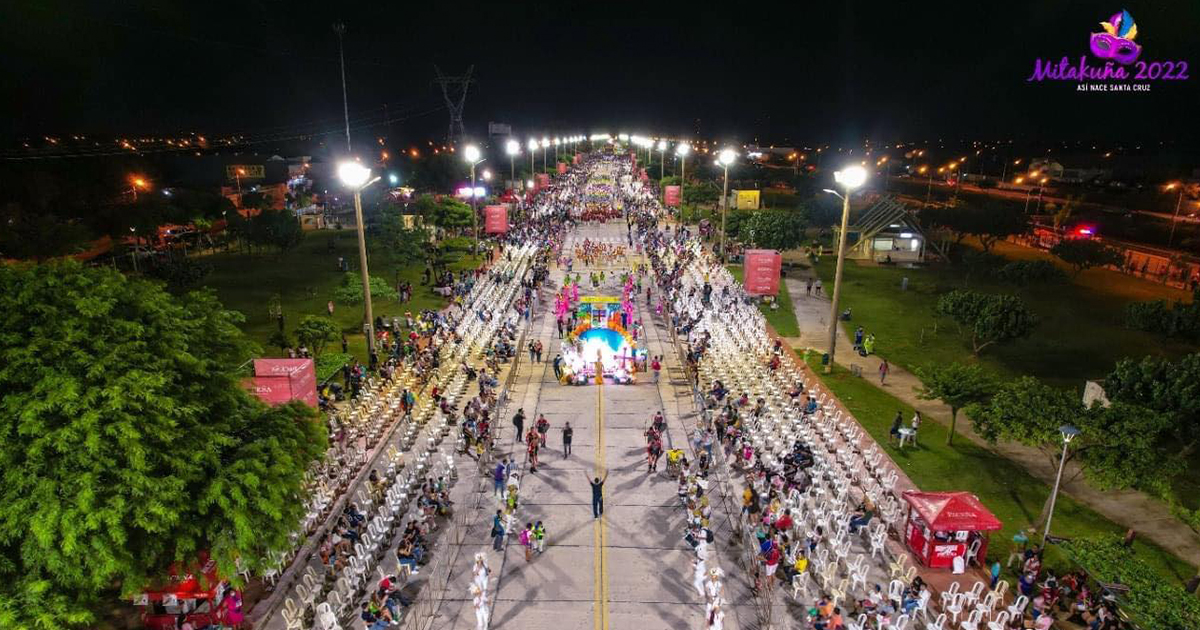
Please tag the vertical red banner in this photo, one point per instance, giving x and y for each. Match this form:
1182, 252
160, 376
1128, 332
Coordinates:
562, 168
762, 268
672, 195
543, 180
495, 219
575, 160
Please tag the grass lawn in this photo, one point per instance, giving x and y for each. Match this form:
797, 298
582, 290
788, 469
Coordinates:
1081, 334
782, 319
304, 280
1005, 488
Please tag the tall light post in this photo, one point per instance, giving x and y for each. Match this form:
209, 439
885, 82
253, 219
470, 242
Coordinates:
472, 155
1041, 188
662, 159
357, 177
850, 178
545, 145
556, 143
340, 29
533, 147
1068, 433
512, 148
1178, 204
682, 151
724, 159
237, 176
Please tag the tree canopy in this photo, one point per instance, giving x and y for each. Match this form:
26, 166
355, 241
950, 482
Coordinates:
129, 443
990, 318
1084, 254
988, 223
1117, 446
444, 212
955, 384
1172, 388
315, 332
776, 229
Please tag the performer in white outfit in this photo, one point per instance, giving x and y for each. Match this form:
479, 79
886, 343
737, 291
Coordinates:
479, 599
698, 574
481, 571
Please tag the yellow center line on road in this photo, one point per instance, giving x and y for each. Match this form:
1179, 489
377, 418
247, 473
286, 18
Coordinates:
599, 533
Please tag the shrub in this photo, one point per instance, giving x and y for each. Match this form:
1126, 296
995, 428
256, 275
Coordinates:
1172, 320
1025, 272
351, 290
181, 273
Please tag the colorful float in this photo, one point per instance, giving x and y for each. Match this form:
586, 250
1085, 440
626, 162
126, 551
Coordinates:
600, 346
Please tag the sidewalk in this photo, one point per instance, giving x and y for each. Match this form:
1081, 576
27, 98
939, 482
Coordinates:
1129, 508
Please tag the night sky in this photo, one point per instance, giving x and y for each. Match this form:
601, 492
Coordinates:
835, 71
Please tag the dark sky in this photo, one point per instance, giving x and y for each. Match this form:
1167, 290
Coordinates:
832, 71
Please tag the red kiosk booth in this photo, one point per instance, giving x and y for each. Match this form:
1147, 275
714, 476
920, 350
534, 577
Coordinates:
942, 526
198, 593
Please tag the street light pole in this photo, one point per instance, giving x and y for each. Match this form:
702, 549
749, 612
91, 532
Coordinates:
358, 177
1068, 433
340, 29
472, 155
850, 178
1175, 217
725, 158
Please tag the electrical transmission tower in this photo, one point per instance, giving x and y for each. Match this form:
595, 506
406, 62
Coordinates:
454, 90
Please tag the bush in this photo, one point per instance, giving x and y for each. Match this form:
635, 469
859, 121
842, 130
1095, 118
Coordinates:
329, 363
457, 244
1025, 272
351, 290
181, 273
1153, 603
1172, 320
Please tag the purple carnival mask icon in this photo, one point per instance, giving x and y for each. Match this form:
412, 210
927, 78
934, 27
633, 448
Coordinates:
1116, 42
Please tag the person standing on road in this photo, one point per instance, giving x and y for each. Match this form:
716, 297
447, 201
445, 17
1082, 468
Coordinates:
656, 366
884, 368
543, 426
498, 531
498, 477
479, 600
532, 443
558, 372
598, 495
894, 432
527, 541
519, 423
539, 537
568, 434
817, 287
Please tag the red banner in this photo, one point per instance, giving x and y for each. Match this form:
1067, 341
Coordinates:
633, 160
280, 380
672, 195
762, 271
543, 180
575, 160
562, 168
495, 219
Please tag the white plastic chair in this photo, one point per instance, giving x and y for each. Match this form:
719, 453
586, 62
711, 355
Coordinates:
972, 621
1000, 622
1018, 606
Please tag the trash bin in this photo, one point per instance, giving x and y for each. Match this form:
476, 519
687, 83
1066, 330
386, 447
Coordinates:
825, 359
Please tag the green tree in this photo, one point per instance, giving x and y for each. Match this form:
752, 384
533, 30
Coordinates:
1084, 254
350, 291
276, 228
445, 212
1116, 447
130, 443
315, 332
402, 245
1167, 387
995, 222
955, 384
1154, 603
990, 318
776, 229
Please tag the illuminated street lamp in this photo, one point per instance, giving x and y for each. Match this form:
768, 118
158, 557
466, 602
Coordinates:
533, 147
556, 143
545, 145
850, 178
1068, 433
512, 148
356, 177
682, 151
136, 182
473, 157
724, 159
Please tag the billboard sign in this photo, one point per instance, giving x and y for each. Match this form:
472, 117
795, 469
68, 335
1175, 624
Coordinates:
495, 219
746, 199
762, 268
280, 380
672, 195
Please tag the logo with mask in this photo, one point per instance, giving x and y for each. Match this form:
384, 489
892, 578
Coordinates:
1116, 42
